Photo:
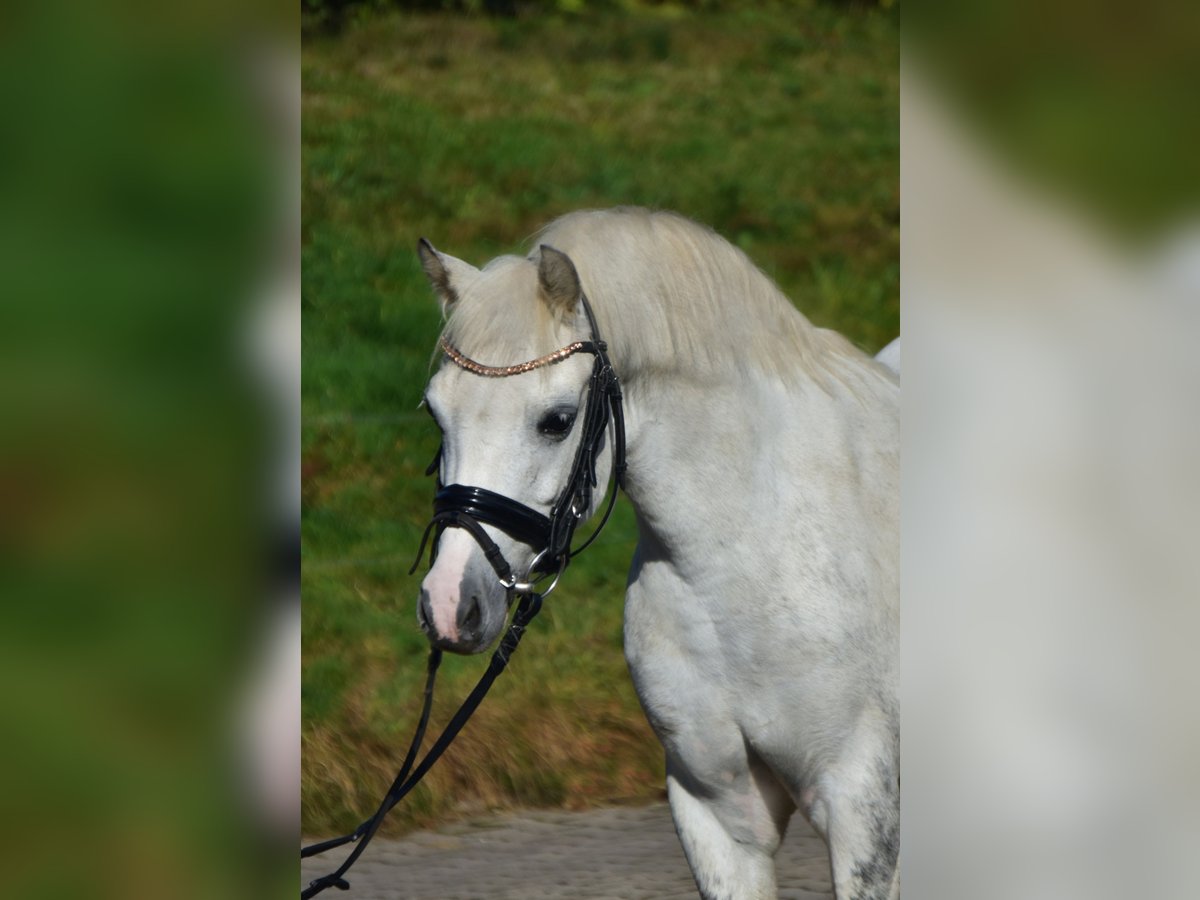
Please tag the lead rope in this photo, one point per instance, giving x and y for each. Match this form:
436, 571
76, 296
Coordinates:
527, 607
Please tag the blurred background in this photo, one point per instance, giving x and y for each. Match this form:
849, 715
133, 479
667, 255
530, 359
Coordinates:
775, 124
148, 398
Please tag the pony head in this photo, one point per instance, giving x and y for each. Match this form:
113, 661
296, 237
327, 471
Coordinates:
509, 429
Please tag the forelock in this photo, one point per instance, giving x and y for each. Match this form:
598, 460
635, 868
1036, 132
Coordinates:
499, 320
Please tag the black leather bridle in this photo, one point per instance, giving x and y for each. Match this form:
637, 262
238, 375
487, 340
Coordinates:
461, 506
469, 508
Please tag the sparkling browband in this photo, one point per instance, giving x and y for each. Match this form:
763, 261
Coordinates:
503, 371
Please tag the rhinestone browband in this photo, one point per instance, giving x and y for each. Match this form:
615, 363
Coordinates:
503, 371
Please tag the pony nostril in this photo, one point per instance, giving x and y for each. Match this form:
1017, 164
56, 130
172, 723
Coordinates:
424, 613
470, 616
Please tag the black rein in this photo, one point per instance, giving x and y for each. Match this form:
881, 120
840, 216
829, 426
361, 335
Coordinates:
469, 508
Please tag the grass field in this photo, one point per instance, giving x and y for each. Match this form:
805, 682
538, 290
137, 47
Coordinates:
778, 128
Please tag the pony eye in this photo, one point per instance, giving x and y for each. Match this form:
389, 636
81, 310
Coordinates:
556, 424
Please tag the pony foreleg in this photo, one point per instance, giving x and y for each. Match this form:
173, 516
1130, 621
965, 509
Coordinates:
862, 812
865, 863
729, 839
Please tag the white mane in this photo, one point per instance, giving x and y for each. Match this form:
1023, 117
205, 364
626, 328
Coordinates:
671, 296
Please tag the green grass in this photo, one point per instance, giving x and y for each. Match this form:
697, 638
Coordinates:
777, 128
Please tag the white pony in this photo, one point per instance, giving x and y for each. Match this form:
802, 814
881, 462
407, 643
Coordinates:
761, 617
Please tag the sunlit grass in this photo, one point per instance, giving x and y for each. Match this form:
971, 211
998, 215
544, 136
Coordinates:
779, 129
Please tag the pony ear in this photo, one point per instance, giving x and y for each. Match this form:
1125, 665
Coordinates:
558, 282
444, 272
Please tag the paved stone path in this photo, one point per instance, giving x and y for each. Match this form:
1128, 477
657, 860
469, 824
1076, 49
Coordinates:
615, 854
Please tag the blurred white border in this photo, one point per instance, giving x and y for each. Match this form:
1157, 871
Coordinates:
1051, 515
269, 715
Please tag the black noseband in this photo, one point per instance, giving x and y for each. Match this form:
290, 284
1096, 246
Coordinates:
515, 519
469, 508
